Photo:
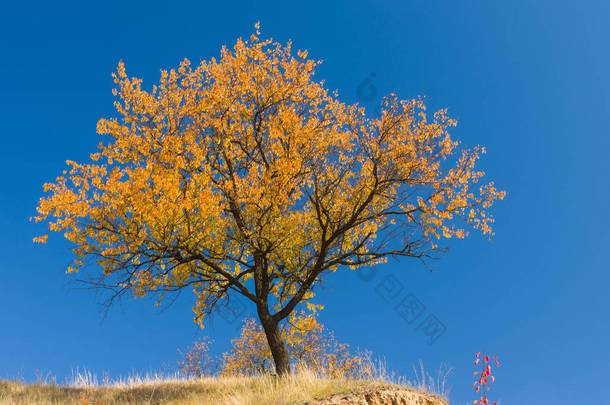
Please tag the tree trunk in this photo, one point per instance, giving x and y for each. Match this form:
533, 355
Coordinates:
276, 345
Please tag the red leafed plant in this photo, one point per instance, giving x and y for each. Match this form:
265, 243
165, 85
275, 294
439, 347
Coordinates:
485, 378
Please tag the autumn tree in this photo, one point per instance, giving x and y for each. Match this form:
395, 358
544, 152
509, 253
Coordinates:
197, 360
312, 345
309, 344
245, 175
249, 353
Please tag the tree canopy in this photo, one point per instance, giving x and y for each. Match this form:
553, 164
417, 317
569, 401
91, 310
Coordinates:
245, 175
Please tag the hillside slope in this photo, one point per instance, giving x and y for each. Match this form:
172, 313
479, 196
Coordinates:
295, 390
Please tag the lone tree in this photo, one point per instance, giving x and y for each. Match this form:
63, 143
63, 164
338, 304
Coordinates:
244, 175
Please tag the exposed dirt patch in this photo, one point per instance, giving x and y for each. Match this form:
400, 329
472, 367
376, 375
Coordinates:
384, 396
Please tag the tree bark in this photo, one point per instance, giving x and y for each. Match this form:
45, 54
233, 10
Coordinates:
270, 325
281, 358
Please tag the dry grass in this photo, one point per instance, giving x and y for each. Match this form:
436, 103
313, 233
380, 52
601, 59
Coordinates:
437, 385
304, 385
299, 388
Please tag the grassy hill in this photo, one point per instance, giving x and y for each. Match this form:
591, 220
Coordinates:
302, 388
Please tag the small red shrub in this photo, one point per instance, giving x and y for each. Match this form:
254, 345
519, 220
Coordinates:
485, 378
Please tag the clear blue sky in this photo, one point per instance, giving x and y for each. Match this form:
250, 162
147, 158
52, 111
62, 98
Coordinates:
529, 80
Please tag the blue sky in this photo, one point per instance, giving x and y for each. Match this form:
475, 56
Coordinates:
529, 80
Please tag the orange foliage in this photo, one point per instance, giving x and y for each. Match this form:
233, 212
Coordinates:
244, 168
250, 354
309, 344
197, 360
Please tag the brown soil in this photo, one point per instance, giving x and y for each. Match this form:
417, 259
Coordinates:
385, 396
